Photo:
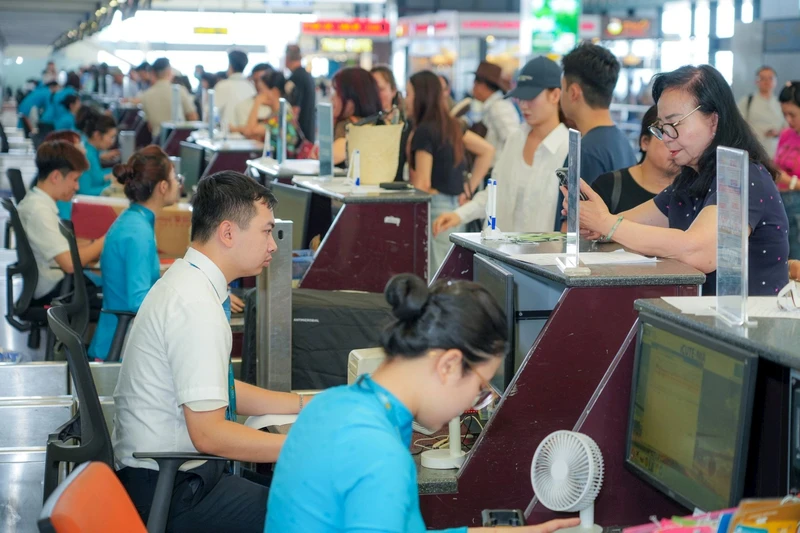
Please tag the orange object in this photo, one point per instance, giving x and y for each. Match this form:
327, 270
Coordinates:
90, 500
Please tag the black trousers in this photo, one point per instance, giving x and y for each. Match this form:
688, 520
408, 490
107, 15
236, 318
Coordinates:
204, 499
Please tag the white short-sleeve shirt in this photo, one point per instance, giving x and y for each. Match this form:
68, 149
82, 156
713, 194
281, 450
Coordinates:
39, 216
177, 352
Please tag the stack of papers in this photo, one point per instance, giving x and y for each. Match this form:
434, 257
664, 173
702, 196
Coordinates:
757, 306
618, 257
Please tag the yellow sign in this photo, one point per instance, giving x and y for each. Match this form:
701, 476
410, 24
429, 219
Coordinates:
212, 31
333, 45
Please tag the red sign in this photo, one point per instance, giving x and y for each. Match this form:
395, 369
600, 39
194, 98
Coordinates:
347, 27
490, 25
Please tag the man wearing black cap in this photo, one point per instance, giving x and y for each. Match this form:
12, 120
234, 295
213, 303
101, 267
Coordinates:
499, 115
527, 187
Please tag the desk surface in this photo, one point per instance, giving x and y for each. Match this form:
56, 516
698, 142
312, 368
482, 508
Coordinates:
340, 189
435, 481
664, 272
289, 168
230, 145
774, 339
188, 125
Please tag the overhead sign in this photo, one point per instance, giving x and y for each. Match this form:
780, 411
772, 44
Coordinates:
340, 44
548, 26
347, 27
211, 31
628, 28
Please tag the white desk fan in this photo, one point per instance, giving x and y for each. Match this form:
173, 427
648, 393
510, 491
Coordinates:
567, 473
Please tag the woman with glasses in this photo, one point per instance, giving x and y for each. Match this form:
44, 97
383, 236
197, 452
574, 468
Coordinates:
346, 464
130, 258
696, 114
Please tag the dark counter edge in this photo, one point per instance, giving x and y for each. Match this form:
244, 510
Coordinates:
415, 197
717, 330
435, 481
553, 273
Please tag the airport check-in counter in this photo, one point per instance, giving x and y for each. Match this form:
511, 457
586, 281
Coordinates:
172, 133
267, 169
231, 154
374, 235
568, 336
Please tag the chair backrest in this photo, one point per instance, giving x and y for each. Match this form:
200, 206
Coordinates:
90, 500
3, 140
78, 307
17, 184
94, 433
25, 265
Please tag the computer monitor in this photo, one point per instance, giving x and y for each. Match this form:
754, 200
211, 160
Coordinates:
192, 165
689, 423
294, 204
500, 284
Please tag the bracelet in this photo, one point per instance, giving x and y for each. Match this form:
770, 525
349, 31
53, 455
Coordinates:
614, 228
302, 401
792, 183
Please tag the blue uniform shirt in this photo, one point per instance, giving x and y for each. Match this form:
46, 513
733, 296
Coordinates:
66, 122
92, 182
40, 98
130, 267
56, 109
346, 466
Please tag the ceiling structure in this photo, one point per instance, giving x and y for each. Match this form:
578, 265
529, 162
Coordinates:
40, 22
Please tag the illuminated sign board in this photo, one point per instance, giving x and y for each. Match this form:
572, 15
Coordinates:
211, 31
347, 27
337, 45
621, 28
549, 26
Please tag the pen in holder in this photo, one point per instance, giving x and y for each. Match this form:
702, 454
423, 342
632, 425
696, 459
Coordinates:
354, 171
491, 231
267, 152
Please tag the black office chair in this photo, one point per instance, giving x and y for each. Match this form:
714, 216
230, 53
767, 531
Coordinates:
3, 140
78, 309
18, 190
20, 314
85, 437
88, 428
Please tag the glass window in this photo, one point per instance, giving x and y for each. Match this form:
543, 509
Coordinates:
724, 64
747, 11
675, 17
702, 19
726, 16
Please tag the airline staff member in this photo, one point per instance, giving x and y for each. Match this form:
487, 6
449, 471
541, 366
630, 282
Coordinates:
176, 390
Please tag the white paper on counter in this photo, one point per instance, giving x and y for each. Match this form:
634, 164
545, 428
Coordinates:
619, 257
757, 306
260, 422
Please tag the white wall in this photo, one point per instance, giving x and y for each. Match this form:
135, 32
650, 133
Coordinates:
34, 60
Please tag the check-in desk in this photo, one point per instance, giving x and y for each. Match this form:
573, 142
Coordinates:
231, 154
127, 116
568, 335
267, 169
172, 133
375, 235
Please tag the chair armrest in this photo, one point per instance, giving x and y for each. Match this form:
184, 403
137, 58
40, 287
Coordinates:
168, 465
118, 313
124, 319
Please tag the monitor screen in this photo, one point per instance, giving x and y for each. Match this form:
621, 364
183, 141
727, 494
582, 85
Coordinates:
500, 284
293, 204
192, 165
690, 417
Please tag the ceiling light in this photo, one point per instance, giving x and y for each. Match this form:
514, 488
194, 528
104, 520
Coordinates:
113, 3
103, 10
19, 60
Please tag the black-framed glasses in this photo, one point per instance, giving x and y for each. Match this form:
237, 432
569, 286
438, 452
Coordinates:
487, 394
669, 130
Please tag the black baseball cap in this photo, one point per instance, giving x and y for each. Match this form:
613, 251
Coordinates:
537, 75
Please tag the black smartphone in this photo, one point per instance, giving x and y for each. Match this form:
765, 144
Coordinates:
562, 174
396, 186
502, 517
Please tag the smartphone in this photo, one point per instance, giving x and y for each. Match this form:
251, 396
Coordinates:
502, 517
562, 174
395, 186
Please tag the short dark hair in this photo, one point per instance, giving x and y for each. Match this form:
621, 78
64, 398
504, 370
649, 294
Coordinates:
61, 156
790, 93
237, 60
275, 80
450, 315
226, 195
713, 95
261, 67
69, 100
143, 67
160, 65
596, 70
73, 80
93, 121
293, 53
767, 67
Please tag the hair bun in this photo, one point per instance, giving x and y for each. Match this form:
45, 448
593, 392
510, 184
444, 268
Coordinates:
408, 296
123, 172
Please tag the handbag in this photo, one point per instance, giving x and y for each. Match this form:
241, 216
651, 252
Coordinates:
305, 148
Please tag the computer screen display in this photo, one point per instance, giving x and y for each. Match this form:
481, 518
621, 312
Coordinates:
293, 204
500, 284
192, 165
689, 424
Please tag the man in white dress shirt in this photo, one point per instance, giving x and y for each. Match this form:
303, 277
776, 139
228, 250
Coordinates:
527, 187
234, 89
176, 391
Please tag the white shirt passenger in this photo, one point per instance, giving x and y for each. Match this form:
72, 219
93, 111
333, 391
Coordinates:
177, 353
229, 92
241, 112
501, 120
527, 195
39, 216
763, 114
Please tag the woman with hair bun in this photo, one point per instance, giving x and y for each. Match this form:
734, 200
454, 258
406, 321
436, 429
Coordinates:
346, 464
130, 258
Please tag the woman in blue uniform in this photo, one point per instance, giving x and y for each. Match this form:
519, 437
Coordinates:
130, 258
346, 464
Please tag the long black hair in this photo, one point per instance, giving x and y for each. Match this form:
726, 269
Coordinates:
714, 96
450, 315
650, 117
790, 93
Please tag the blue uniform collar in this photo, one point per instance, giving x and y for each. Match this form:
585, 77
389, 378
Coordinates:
397, 413
149, 215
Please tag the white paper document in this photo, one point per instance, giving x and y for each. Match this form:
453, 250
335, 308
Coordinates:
757, 306
260, 422
618, 257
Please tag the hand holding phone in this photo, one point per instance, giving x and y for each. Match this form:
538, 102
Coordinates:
562, 174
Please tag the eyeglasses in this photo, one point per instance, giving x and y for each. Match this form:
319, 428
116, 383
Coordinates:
670, 130
487, 394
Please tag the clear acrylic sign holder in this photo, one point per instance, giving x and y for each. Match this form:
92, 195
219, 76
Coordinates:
280, 156
325, 134
733, 179
570, 263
